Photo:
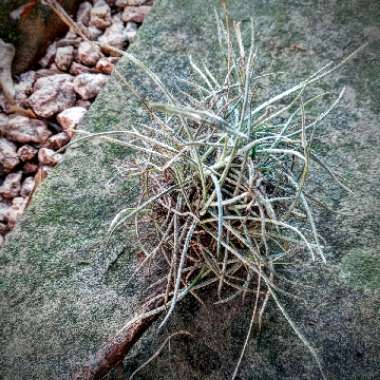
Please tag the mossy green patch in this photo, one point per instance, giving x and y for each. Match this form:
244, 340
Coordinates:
369, 82
366, 11
361, 267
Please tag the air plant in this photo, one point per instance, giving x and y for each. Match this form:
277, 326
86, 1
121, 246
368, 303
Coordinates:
222, 183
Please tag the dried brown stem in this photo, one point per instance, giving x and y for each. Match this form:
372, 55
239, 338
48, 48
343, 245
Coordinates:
113, 352
78, 29
62, 14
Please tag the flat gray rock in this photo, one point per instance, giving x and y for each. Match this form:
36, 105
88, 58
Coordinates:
62, 288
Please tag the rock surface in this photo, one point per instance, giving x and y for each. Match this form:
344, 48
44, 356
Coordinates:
27, 187
64, 57
11, 186
24, 87
58, 141
49, 55
131, 30
15, 211
115, 35
32, 32
24, 130
89, 85
64, 291
124, 3
100, 15
7, 53
84, 13
30, 168
8, 155
48, 157
136, 14
88, 53
70, 118
106, 65
26, 153
49, 89
52, 94
77, 68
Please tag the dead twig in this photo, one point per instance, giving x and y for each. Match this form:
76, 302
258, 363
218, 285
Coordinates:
112, 353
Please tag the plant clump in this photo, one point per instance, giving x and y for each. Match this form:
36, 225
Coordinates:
223, 181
